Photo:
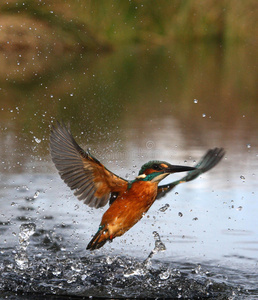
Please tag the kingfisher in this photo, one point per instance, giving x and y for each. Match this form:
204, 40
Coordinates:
128, 200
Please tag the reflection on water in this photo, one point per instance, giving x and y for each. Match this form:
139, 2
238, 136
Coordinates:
132, 106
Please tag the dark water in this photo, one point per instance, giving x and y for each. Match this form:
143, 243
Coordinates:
169, 103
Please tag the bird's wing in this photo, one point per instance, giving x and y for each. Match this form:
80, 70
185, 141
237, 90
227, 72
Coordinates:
83, 173
209, 160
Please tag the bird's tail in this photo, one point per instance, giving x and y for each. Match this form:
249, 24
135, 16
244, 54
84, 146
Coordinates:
99, 239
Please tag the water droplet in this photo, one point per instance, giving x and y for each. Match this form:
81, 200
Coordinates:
159, 246
203, 115
109, 260
22, 188
165, 275
195, 101
197, 270
164, 208
180, 214
36, 195
242, 177
240, 208
195, 219
37, 140
248, 146
57, 272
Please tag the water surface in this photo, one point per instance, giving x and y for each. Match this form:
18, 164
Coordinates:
129, 107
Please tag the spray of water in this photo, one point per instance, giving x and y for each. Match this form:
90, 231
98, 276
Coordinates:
21, 257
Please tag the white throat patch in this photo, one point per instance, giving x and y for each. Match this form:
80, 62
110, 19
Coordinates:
141, 176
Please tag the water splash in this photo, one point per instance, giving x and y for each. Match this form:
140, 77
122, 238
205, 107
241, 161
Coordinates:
21, 258
143, 268
69, 274
26, 230
159, 246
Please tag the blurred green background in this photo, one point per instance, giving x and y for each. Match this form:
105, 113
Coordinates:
118, 70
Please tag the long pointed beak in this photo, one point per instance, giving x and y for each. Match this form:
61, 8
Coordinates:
177, 169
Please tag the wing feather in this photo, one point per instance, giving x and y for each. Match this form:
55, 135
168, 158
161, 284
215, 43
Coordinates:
208, 161
92, 182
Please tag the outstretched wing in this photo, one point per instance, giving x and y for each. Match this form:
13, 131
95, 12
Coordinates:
209, 160
83, 173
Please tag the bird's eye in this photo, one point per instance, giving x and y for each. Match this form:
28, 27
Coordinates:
156, 167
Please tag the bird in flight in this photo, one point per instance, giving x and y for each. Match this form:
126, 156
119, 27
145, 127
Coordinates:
128, 200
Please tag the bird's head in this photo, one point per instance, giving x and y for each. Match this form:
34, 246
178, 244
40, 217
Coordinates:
156, 170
